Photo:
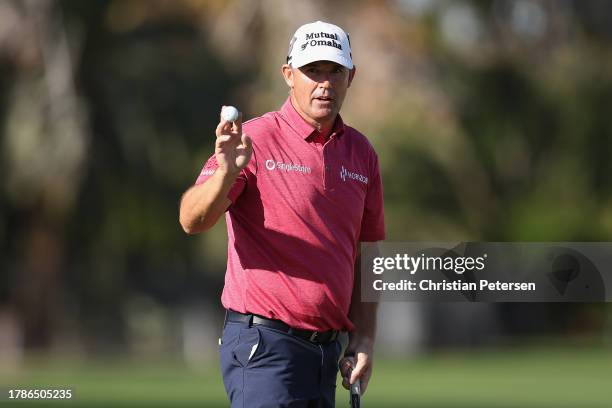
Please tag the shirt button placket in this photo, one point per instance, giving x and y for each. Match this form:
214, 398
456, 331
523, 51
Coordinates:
326, 170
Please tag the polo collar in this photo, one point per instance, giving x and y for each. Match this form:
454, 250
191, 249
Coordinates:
303, 128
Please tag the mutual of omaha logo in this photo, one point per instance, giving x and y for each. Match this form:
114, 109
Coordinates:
287, 167
346, 174
325, 39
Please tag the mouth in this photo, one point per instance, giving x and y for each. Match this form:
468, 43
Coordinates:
327, 99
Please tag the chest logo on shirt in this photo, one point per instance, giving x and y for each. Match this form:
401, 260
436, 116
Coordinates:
346, 174
287, 167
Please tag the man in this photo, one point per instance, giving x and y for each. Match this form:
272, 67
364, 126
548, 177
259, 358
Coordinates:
300, 193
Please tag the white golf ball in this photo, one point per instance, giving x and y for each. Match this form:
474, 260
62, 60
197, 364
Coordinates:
229, 113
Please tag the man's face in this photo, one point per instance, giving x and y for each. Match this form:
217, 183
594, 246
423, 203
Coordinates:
319, 89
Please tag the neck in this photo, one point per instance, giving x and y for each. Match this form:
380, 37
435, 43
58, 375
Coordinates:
324, 128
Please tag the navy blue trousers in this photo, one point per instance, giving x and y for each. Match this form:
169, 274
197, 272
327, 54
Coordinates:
264, 367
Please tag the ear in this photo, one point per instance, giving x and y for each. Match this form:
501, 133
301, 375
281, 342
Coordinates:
287, 72
351, 75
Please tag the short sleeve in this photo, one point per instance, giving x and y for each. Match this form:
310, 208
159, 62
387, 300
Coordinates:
373, 220
209, 169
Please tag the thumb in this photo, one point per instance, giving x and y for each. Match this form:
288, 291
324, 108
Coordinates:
358, 370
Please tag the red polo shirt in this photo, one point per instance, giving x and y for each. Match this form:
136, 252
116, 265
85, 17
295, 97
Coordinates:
298, 212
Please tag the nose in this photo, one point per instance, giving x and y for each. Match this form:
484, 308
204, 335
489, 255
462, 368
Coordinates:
325, 81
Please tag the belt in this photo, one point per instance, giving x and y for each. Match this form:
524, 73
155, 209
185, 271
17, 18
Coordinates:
314, 337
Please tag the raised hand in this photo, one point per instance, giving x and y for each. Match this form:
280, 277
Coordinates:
233, 149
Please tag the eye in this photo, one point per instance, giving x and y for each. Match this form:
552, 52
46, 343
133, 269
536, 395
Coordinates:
312, 70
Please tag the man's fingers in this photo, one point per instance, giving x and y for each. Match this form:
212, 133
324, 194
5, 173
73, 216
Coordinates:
224, 127
219, 129
237, 125
223, 140
246, 147
346, 366
246, 141
247, 144
362, 364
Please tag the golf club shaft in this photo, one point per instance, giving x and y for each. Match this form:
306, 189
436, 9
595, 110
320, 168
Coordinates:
356, 394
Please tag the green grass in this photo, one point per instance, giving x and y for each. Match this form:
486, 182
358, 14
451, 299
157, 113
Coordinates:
527, 378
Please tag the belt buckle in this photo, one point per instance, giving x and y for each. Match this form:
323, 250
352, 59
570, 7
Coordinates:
313, 337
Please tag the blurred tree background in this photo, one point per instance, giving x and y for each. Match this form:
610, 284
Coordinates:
491, 119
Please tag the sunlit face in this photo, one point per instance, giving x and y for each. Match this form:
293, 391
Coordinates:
318, 89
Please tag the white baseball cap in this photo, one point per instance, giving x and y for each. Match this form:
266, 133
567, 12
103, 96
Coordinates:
319, 41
